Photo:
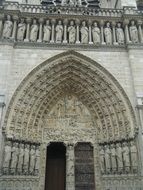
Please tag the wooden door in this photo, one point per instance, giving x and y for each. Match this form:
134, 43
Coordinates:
84, 167
56, 167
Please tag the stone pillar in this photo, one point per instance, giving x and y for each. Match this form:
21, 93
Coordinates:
77, 31
90, 33
53, 21
15, 18
126, 23
140, 31
65, 31
70, 167
41, 20
102, 32
97, 169
114, 33
28, 20
1, 23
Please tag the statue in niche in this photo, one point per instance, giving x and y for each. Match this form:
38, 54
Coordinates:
133, 32
21, 30
119, 158
34, 31
26, 159
72, 32
113, 158
20, 159
37, 160
120, 34
7, 156
7, 29
102, 159
126, 157
59, 32
47, 31
96, 33
32, 159
134, 157
108, 159
14, 160
108, 34
84, 33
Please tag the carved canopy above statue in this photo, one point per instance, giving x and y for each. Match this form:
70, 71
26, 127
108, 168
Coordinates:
70, 73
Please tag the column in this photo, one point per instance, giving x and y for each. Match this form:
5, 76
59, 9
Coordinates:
53, 21
90, 32
114, 33
41, 20
65, 31
70, 167
28, 20
15, 18
140, 31
77, 31
126, 22
102, 32
1, 23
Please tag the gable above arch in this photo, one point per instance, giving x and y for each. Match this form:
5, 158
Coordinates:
70, 73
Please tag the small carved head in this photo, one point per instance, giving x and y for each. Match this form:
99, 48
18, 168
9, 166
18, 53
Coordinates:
119, 25
34, 21
132, 23
108, 24
59, 22
47, 22
8, 17
71, 22
95, 24
83, 23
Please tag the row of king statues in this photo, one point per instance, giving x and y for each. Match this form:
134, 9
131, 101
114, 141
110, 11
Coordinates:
119, 158
21, 159
70, 32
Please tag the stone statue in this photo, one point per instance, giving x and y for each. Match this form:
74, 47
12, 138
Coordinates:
119, 158
134, 156
34, 31
107, 159
32, 159
102, 159
59, 32
120, 34
14, 160
70, 160
72, 32
7, 157
133, 32
21, 30
84, 33
108, 34
20, 159
113, 158
126, 157
8, 26
37, 160
47, 31
64, 2
26, 159
96, 33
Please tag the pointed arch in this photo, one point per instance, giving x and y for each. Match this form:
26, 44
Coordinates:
74, 73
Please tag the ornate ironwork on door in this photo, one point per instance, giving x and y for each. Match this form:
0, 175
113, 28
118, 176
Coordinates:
84, 167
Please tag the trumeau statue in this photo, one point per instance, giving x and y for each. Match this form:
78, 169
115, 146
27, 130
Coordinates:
119, 157
20, 159
120, 34
7, 155
96, 33
32, 159
21, 30
108, 34
8, 26
133, 32
14, 160
26, 158
84, 33
102, 159
134, 157
113, 158
59, 32
126, 157
72, 32
107, 159
37, 160
47, 31
34, 31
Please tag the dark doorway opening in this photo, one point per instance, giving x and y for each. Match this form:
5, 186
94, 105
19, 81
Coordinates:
56, 167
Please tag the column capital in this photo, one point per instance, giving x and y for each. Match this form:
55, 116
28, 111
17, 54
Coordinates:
41, 20
89, 23
139, 22
28, 20
53, 21
77, 21
126, 21
113, 23
102, 22
65, 21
